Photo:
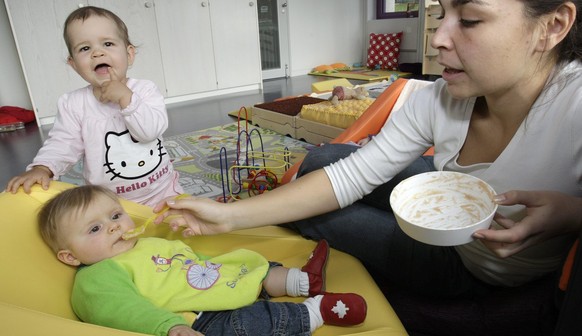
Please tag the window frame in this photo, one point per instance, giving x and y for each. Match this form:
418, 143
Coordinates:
380, 14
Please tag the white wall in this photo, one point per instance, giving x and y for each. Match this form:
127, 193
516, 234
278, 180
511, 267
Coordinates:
13, 91
330, 31
325, 32
320, 32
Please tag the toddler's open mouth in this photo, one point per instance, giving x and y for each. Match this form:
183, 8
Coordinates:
102, 69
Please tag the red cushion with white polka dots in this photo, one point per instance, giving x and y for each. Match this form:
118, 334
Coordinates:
384, 51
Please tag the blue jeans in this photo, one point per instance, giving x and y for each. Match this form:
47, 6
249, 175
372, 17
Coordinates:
260, 318
368, 231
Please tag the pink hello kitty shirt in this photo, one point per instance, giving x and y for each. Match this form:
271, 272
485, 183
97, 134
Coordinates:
121, 149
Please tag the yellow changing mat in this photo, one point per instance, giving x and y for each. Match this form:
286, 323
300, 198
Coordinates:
342, 115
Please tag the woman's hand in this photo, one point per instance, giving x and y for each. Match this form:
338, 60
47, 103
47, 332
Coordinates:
548, 214
198, 216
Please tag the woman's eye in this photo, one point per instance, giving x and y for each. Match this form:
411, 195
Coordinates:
468, 23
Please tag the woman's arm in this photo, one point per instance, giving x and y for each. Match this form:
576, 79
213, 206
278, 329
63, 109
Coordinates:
305, 197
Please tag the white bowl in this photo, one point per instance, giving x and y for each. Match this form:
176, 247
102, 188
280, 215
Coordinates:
443, 208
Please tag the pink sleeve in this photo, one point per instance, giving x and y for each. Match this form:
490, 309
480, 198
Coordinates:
64, 146
146, 117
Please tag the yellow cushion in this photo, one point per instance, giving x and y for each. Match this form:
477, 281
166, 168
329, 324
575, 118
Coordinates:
342, 115
35, 287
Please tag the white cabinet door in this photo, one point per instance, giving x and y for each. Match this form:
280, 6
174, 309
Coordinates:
208, 45
186, 45
140, 18
235, 33
38, 31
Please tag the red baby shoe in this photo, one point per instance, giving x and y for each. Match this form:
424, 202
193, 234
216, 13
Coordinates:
343, 309
315, 268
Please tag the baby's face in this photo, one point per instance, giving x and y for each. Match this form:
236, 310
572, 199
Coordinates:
96, 45
94, 234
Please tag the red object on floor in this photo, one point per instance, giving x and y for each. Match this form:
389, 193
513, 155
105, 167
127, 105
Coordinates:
13, 114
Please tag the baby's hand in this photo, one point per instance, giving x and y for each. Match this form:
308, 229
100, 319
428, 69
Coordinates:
115, 90
183, 330
38, 174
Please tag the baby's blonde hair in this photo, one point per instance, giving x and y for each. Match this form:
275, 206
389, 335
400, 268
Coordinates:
52, 213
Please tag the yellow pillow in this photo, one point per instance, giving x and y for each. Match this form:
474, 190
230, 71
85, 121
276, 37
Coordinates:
342, 115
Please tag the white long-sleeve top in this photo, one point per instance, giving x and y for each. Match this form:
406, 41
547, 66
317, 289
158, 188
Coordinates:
544, 154
121, 149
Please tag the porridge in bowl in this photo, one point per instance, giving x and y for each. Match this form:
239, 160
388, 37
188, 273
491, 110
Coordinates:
443, 208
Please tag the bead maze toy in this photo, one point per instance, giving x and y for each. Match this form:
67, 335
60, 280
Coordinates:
256, 172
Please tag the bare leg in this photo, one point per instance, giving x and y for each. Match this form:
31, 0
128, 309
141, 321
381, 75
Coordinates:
275, 281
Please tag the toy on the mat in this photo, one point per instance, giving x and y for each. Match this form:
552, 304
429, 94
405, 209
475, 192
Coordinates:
345, 93
253, 171
331, 68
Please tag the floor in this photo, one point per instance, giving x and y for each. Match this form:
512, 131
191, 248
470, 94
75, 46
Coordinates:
18, 148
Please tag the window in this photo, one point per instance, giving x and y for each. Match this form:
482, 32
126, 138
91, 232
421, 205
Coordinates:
388, 9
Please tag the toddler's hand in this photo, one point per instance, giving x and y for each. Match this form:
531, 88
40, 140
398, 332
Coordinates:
38, 174
115, 90
183, 330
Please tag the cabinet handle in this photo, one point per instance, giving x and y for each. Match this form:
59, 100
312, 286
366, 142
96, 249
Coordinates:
251, 4
148, 5
203, 4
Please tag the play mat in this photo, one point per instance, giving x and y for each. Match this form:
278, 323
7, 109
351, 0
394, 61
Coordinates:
363, 74
196, 155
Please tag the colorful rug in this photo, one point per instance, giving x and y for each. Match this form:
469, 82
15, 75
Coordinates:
197, 156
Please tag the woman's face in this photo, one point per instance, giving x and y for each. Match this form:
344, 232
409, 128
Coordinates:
486, 46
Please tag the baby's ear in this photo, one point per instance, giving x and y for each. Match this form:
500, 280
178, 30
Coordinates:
68, 258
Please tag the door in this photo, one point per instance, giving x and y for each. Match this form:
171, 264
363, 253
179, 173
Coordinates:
235, 35
274, 38
186, 46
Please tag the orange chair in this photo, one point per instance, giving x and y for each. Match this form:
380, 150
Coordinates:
370, 122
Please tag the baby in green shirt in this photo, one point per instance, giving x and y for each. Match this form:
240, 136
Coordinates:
143, 284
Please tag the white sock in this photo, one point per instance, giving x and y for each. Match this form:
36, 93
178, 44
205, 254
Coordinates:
297, 283
315, 318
